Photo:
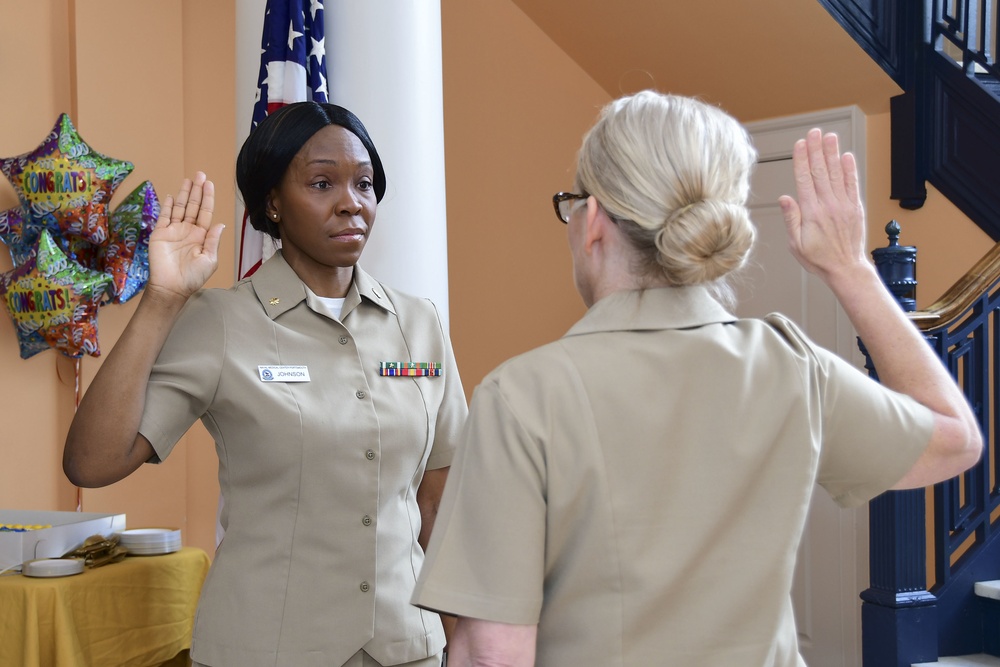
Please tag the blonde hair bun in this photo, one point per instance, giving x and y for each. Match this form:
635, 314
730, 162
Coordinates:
704, 241
676, 172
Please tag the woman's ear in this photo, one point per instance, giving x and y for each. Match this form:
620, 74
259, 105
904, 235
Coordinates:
271, 209
597, 221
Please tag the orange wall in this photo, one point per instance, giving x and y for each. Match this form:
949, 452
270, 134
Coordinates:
35, 395
515, 110
152, 83
141, 83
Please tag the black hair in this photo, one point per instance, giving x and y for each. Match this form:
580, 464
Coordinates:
271, 146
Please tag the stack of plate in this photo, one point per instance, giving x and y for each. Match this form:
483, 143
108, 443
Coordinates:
150, 541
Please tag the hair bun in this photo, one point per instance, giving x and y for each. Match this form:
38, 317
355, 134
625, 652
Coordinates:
703, 241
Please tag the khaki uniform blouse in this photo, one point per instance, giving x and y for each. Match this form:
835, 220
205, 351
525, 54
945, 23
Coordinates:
320, 458
639, 488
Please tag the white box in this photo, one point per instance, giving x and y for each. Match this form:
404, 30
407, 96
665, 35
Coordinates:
68, 532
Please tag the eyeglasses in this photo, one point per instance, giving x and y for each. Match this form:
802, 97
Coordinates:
562, 202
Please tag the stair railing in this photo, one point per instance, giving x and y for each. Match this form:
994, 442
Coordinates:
962, 329
905, 619
970, 27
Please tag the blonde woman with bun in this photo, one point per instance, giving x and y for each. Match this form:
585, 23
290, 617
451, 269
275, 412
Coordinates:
634, 493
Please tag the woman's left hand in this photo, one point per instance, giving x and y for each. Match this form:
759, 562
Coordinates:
183, 248
826, 226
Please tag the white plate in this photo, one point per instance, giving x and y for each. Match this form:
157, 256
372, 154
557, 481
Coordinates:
149, 537
52, 567
150, 545
148, 533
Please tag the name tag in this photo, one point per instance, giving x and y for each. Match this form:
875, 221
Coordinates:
283, 373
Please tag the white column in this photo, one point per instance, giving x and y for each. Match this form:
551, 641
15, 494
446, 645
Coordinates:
384, 64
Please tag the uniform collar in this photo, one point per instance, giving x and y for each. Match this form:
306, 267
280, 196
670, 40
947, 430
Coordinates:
279, 289
652, 309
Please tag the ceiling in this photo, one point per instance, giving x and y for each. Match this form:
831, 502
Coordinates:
755, 58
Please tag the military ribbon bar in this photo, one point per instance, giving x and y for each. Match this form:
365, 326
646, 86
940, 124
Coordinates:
409, 368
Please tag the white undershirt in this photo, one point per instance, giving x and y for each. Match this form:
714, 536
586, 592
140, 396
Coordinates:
332, 306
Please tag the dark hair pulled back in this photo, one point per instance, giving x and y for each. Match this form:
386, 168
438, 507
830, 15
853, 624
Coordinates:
271, 146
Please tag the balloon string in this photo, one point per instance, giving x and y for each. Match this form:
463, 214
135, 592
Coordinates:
76, 406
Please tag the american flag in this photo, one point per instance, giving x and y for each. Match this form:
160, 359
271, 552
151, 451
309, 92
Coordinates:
292, 69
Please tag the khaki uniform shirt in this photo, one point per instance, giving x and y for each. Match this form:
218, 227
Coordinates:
319, 477
639, 488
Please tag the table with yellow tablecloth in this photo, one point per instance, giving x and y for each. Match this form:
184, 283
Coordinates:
135, 613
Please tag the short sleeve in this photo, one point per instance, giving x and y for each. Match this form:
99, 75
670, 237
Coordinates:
186, 373
453, 410
497, 480
871, 435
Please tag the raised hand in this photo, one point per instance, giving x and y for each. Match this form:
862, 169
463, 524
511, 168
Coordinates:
184, 245
826, 233
826, 226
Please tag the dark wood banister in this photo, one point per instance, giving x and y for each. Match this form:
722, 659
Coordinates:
962, 295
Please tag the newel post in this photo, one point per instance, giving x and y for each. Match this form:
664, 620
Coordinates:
898, 616
897, 264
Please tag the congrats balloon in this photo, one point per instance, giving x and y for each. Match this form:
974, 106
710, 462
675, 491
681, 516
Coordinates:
54, 302
65, 186
71, 253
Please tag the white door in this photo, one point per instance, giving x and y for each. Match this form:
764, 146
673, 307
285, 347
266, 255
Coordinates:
832, 567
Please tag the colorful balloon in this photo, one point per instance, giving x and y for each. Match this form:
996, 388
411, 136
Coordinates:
65, 186
126, 255
70, 256
20, 242
21, 238
54, 300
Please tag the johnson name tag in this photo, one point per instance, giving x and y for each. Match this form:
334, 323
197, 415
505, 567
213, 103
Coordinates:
283, 373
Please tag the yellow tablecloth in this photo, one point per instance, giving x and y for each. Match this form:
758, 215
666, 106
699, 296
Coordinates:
136, 613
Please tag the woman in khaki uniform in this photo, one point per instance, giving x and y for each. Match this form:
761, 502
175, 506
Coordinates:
333, 400
634, 493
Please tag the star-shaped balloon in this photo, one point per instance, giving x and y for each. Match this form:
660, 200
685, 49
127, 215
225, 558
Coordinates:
65, 186
21, 239
55, 300
126, 255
